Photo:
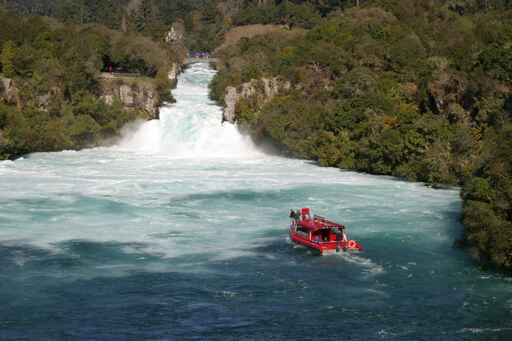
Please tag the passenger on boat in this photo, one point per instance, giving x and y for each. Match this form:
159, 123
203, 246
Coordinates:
295, 215
305, 214
325, 235
339, 235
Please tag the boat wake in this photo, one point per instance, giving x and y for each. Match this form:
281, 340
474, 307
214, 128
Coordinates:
370, 267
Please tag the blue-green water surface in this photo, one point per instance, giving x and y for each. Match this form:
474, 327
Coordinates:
180, 232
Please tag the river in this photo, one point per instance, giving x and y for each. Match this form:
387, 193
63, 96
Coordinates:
180, 232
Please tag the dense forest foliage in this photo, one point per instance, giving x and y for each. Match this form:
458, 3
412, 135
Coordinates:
205, 20
149, 17
55, 70
416, 89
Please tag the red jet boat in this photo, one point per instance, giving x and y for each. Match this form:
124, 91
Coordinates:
319, 233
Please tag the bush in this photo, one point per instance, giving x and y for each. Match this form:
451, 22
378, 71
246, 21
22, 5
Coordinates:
4, 113
497, 61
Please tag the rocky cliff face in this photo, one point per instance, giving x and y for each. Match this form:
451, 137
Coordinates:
175, 38
174, 71
261, 91
8, 92
132, 93
176, 34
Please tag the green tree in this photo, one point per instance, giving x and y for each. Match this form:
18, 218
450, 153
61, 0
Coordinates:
7, 59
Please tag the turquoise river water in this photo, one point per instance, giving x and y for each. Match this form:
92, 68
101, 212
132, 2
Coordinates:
180, 232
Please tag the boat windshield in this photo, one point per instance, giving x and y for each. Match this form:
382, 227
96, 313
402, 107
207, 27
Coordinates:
331, 234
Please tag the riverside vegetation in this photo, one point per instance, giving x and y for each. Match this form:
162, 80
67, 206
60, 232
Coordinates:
53, 52
54, 74
416, 89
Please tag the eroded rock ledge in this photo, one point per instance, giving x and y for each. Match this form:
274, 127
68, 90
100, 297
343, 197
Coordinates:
132, 93
260, 90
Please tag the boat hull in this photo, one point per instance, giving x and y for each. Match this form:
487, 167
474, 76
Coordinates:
324, 247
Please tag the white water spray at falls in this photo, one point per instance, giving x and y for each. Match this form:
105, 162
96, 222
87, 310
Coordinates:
191, 128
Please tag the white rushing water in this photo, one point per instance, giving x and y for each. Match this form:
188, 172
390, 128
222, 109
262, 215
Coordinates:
189, 185
201, 135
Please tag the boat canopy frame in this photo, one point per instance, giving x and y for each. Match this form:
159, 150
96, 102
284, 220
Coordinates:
318, 223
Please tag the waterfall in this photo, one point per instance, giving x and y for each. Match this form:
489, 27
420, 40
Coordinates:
191, 128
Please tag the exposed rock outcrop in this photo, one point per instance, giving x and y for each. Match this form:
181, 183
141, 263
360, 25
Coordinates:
261, 90
446, 90
173, 73
230, 99
132, 93
175, 38
176, 34
8, 91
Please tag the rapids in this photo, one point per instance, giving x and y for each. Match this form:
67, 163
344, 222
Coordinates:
180, 232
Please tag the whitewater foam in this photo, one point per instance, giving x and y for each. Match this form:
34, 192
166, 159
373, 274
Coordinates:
191, 128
